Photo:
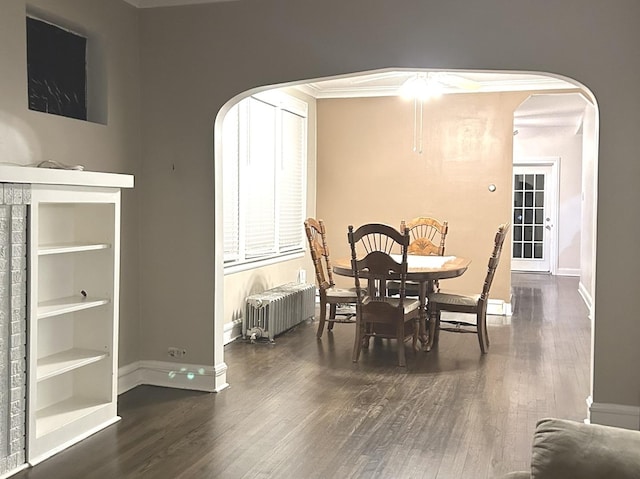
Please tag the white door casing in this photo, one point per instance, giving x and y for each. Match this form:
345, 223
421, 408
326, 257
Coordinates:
535, 214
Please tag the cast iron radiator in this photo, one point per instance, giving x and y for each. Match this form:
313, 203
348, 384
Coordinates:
277, 309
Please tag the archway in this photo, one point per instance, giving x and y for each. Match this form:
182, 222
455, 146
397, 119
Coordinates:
220, 270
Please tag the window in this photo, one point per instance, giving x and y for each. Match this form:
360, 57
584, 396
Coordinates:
264, 178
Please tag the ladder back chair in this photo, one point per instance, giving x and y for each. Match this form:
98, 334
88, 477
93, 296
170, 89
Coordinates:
377, 314
329, 293
427, 237
471, 304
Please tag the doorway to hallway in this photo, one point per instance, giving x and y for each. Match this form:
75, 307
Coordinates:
535, 199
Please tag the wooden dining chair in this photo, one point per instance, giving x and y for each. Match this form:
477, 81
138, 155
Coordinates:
329, 293
377, 314
427, 237
471, 304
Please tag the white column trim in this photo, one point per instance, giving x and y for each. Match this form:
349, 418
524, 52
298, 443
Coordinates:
617, 415
173, 375
586, 297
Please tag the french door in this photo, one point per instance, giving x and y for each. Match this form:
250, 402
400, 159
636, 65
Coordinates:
534, 218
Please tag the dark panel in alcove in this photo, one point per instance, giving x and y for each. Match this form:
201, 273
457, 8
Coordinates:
56, 69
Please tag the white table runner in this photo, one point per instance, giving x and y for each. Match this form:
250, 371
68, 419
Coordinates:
419, 261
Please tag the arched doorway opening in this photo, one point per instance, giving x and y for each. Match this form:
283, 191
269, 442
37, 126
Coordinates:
372, 87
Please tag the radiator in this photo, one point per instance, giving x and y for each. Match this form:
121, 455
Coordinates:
275, 310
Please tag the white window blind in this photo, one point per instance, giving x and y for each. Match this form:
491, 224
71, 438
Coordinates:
264, 155
259, 181
292, 181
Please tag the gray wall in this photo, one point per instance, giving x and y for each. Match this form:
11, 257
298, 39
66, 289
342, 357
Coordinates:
196, 58
28, 136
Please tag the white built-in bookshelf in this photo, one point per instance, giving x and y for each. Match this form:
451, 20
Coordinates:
73, 298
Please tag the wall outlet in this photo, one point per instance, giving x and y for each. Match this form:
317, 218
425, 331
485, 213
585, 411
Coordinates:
302, 276
176, 352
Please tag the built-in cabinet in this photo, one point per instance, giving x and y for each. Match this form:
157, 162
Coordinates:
73, 324
73, 266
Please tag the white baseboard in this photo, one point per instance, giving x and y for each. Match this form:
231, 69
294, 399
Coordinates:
129, 377
232, 330
586, 297
76, 439
498, 307
568, 272
172, 375
498, 313
617, 415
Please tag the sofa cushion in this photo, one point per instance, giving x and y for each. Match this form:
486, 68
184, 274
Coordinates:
564, 449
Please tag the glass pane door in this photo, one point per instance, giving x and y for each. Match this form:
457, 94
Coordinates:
531, 219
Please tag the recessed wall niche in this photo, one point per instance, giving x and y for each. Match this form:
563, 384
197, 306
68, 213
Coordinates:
64, 71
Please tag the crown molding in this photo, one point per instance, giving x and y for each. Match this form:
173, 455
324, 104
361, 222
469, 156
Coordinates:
318, 91
170, 3
334, 89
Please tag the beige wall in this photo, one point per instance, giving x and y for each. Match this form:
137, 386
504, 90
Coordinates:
196, 58
28, 136
368, 172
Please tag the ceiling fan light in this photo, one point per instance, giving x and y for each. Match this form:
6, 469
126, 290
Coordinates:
413, 88
421, 88
434, 88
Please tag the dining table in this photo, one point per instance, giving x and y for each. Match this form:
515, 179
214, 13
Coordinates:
424, 270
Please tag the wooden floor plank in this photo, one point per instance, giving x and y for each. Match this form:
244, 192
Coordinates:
301, 409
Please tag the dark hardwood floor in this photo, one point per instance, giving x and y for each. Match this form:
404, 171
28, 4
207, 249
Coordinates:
301, 409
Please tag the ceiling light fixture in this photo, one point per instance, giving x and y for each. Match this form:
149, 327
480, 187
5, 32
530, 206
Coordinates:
422, 86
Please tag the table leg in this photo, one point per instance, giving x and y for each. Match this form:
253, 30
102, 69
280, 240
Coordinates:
433, 325
422, 296
431, 321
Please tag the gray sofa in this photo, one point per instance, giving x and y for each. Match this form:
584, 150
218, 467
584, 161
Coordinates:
566, 449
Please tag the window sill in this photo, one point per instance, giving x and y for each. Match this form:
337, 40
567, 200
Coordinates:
237, 268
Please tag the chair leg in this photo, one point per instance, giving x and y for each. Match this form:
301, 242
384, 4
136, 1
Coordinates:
416, 334
332, 316
400, 339
323, 314
357, 345
366, 333
486, 332
482, 332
